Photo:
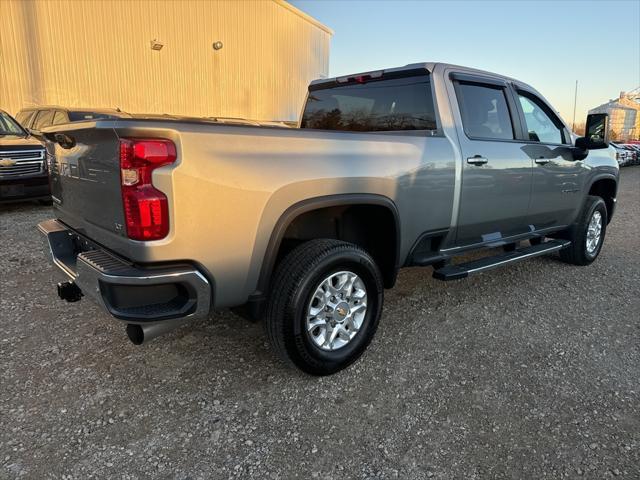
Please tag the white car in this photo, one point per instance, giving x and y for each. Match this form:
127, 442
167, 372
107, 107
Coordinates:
635, 150
623, 156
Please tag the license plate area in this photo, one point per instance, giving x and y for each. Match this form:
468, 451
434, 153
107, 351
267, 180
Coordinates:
11, 190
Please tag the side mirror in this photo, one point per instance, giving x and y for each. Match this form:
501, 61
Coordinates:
596, 136
597, 131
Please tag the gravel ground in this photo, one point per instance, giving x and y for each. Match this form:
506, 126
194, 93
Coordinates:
530, 371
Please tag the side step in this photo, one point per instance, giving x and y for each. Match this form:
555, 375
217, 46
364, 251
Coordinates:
455, 272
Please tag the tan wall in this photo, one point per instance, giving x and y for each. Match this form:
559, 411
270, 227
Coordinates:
97, 54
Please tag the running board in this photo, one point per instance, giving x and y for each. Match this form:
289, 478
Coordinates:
455, 272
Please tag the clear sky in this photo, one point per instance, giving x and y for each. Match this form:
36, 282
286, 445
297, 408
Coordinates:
548, 44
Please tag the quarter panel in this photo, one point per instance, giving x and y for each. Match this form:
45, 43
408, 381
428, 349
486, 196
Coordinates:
233, 183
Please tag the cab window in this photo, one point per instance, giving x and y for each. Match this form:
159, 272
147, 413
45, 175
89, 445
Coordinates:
392, 104
60, 117
484, 111
541, 124
44, 119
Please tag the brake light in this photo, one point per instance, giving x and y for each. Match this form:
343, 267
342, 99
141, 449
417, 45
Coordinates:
360, 78
146, 209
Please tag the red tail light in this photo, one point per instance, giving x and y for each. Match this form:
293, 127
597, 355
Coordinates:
146, 209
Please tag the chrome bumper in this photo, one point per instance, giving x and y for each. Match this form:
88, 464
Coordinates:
137, 295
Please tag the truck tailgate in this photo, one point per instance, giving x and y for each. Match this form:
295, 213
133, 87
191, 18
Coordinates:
85, 179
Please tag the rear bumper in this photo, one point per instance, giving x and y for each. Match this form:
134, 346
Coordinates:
134, 294
24, 188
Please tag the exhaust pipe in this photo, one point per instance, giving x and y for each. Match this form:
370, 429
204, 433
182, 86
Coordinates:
139, 334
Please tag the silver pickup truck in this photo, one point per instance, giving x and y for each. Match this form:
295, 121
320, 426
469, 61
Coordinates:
164, 220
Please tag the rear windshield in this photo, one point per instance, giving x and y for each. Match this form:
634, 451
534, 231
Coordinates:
376, 106
80, 116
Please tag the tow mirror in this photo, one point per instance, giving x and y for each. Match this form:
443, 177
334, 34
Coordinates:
596, 136
597, 131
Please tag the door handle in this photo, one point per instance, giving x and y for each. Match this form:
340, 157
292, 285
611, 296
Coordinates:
477, 160
542, 160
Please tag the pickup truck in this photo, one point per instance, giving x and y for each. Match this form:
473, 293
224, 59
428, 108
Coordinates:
23, 169
163, 220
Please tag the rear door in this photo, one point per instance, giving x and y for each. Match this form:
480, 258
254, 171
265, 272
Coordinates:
496, 172
557, 178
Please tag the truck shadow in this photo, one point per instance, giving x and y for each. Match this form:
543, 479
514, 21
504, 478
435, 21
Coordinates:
232, 349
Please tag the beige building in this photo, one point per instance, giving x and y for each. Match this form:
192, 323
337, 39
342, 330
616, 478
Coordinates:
624, 115
228, 58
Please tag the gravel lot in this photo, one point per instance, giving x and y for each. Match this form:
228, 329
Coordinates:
530, 371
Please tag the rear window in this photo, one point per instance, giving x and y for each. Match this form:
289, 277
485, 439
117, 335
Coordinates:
81, 116
376, 106
60, 118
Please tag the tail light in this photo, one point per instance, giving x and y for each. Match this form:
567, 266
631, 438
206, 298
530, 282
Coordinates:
146, 209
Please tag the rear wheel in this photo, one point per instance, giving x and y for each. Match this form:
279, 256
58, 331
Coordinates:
587, 234
325, 306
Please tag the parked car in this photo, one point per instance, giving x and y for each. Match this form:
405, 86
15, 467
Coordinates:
23, 167
37, 118
624, 156
635, 149
162, 220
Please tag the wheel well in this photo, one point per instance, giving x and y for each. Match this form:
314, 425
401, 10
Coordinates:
606, 189
372, 227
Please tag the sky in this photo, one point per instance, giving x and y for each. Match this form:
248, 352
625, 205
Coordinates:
547, 44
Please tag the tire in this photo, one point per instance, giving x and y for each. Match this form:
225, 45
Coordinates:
297, 287
535, 241
580, 252
47, 202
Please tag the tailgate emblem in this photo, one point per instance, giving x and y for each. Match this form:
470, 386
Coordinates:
7, 162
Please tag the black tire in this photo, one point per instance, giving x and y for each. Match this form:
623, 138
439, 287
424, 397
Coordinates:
47, 202
535, 241
295, 281
577, 253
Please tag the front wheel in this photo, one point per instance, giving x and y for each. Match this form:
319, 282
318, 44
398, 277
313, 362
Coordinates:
587, 234
325, 304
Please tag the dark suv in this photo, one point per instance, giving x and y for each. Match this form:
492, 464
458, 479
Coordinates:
23, 167
36, 118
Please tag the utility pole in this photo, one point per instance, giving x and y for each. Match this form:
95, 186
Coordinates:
575, 100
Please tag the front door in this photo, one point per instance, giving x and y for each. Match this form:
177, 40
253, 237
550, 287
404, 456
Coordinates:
558, 179
496, 172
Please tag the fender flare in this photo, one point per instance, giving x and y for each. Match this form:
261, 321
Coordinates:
603, 176
597, 178
315, 203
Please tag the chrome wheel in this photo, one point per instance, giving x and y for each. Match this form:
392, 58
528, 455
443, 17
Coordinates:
337, 310
594, 231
